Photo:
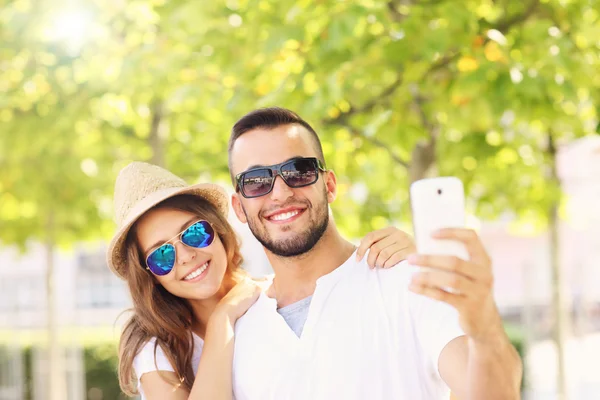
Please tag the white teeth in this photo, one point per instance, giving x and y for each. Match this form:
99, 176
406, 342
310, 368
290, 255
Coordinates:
196, 272
283, 216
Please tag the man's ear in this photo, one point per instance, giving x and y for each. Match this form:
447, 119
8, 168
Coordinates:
237, 208
331, 185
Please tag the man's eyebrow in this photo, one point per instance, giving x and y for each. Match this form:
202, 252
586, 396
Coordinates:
161, 242
265, 166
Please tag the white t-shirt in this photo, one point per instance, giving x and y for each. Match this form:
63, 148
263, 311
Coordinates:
145, 361
366, 337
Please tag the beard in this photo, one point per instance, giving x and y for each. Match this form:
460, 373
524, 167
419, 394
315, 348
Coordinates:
302, 242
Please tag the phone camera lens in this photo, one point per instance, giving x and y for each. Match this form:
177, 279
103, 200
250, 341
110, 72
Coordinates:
439, 191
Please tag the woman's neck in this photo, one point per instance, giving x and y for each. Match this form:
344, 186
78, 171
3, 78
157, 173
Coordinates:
203, 309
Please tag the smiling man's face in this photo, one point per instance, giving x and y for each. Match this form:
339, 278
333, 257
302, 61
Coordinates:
287, 221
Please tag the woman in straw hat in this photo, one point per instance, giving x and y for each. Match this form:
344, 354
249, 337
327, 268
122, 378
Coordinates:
181, 260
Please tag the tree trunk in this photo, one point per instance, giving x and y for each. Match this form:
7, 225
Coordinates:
157, 136
57, 387
422, 164
558, 305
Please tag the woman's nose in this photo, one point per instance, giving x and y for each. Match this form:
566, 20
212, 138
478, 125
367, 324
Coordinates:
185, 254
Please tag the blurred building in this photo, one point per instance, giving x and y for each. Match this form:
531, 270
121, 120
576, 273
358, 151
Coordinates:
89, 300
521, 260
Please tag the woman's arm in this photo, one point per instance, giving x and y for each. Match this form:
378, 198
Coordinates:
156, 388
213, 380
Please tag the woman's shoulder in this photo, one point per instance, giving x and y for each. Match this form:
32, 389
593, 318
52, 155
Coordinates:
151, 357
151, 350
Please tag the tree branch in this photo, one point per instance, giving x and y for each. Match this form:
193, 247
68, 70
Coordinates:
377, 143
430, 2
441, 63
397, 16
508, 22
368, 106
419, 102
154, 138
388, 91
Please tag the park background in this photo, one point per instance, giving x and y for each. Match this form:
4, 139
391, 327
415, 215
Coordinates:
501, 93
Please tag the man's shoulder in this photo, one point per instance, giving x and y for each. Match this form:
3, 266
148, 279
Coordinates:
401, 272
258, 313
390, 283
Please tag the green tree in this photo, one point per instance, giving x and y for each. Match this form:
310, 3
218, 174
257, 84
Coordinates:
398, 89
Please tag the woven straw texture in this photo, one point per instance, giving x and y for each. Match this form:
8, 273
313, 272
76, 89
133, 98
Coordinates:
139, 187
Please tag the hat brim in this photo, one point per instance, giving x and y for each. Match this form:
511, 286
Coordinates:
116, 257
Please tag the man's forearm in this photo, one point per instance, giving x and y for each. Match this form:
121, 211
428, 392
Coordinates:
494, 370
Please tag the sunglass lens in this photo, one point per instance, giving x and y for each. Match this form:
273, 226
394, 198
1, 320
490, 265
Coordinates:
299, 172
162, 260
199, 235
256, 183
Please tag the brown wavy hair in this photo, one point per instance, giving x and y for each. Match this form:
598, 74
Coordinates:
160, 314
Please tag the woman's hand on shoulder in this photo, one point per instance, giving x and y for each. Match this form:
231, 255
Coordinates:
238, 300
388, 246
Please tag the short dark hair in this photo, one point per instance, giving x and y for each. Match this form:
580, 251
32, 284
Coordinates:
270, 118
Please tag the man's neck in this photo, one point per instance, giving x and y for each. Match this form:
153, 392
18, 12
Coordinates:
296, 277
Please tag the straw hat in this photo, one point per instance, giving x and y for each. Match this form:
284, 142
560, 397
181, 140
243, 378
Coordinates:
141, 186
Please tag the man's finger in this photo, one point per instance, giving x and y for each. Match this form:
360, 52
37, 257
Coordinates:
450, 264
454, 300
448, 281
469, 238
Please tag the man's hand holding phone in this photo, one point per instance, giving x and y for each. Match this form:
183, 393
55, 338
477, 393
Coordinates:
452, 266
471, 283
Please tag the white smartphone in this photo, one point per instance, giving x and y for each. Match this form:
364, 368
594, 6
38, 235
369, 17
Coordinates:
438, 203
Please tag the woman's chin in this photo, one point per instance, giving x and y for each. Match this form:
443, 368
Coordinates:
206, 291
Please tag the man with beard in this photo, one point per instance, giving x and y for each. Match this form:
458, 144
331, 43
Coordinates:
329, 327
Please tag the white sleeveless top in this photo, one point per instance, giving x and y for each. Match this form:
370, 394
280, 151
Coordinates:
146, 362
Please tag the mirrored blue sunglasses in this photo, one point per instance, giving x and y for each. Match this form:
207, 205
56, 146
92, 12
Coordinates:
161, 260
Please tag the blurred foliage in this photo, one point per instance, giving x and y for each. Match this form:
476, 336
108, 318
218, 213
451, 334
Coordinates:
101, 365
397, 89
516, 335
28, 373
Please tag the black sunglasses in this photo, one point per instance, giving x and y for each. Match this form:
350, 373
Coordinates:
295, 173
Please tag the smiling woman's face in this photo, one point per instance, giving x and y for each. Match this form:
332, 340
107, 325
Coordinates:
198, 273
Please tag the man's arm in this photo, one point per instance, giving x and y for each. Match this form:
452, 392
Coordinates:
483, 364
481, 370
